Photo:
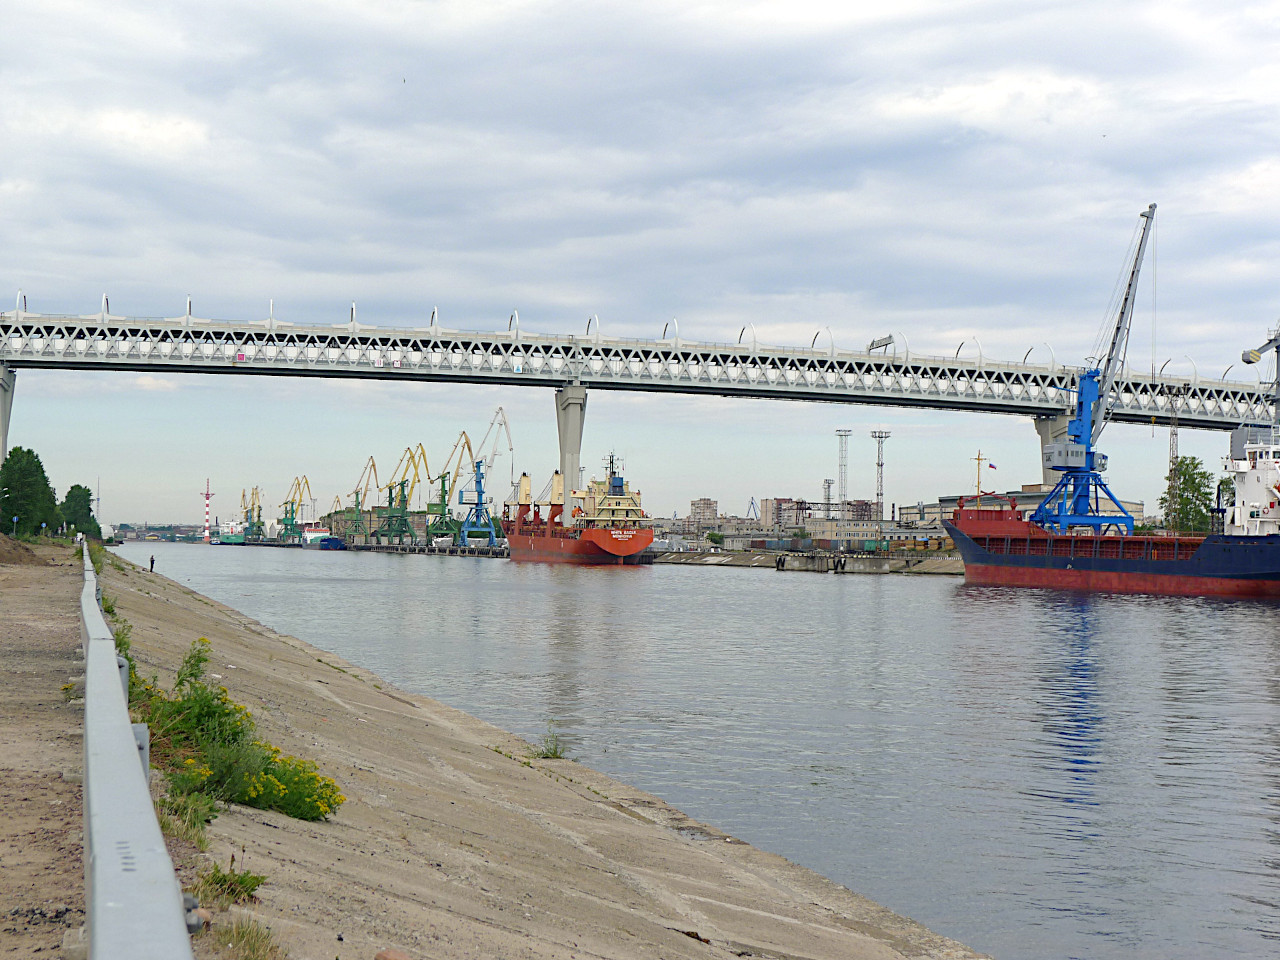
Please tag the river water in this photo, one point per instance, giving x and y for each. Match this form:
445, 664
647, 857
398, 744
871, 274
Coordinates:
1037, 774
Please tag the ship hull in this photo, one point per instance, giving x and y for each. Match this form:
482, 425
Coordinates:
1235, 566
587, 547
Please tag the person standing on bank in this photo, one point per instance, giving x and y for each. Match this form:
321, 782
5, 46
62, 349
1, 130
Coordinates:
153, 563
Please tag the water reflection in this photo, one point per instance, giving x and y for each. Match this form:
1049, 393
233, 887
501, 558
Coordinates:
1070, 711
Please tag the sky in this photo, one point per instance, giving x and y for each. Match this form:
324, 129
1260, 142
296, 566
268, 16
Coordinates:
964, 175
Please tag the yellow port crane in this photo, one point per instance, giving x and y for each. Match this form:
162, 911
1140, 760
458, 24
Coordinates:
352, 518
441, 520
291, 523
408, 473
251, 513
411, 470
368, 481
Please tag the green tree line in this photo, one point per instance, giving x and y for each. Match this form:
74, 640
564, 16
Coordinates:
29, 506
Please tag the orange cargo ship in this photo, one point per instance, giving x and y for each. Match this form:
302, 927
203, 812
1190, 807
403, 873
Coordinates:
608, 528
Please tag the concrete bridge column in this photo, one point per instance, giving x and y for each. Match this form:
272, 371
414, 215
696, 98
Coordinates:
7, 383
1051, 430
571, 408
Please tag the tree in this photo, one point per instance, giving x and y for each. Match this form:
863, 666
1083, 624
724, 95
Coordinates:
1188, 496
77, 511
25, 493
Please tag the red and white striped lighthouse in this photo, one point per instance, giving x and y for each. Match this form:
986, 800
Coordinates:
208, 495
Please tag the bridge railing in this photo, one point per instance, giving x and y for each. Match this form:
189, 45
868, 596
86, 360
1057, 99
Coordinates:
134, 905
526, 358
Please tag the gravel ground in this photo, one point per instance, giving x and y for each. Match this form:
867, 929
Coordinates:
41, 876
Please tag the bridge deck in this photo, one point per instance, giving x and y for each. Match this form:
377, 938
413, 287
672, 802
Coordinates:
186, 344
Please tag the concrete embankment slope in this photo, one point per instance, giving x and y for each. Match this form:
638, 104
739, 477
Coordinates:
453, 843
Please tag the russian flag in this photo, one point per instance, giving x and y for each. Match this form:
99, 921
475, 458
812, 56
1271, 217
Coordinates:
991, 465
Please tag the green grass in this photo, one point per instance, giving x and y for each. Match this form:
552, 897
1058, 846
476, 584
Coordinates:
248, 940
187, 816
218, 888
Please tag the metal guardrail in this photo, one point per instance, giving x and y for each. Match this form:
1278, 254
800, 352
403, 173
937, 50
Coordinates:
134, 904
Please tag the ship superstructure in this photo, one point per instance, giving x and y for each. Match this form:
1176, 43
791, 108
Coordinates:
1254, 467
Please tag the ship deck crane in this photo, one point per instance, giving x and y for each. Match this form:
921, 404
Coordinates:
1076, 499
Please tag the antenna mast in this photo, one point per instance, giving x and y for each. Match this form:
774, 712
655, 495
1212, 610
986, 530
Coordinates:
880, 436
842, 491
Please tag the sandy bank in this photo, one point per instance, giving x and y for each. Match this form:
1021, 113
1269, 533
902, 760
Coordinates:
454, 844
41, 751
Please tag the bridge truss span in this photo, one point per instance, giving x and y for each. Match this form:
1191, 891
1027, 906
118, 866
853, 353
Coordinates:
107, 342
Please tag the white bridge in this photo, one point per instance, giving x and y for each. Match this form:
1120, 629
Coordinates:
104, 341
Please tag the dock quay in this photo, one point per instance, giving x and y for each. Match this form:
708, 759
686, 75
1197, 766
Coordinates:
838, 563
454, 839
425, 548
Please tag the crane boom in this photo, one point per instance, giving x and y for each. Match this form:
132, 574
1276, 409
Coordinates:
1120, 335
1254, 356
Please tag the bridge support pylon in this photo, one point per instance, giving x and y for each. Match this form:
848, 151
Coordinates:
571, 408
8, 380
1050, 430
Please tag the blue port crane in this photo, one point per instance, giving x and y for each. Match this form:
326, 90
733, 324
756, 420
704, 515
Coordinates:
1076, 499
479, 521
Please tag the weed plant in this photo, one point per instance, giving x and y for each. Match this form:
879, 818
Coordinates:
248, 940
206, 742
552, 747
186, 815
220, 888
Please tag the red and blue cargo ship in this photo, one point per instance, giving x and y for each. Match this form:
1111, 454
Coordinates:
1001, 547
1080, 537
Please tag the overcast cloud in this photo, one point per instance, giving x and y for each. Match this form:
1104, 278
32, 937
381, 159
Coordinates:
944, 171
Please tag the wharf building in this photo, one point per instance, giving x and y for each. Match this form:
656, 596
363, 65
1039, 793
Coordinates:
786, 512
